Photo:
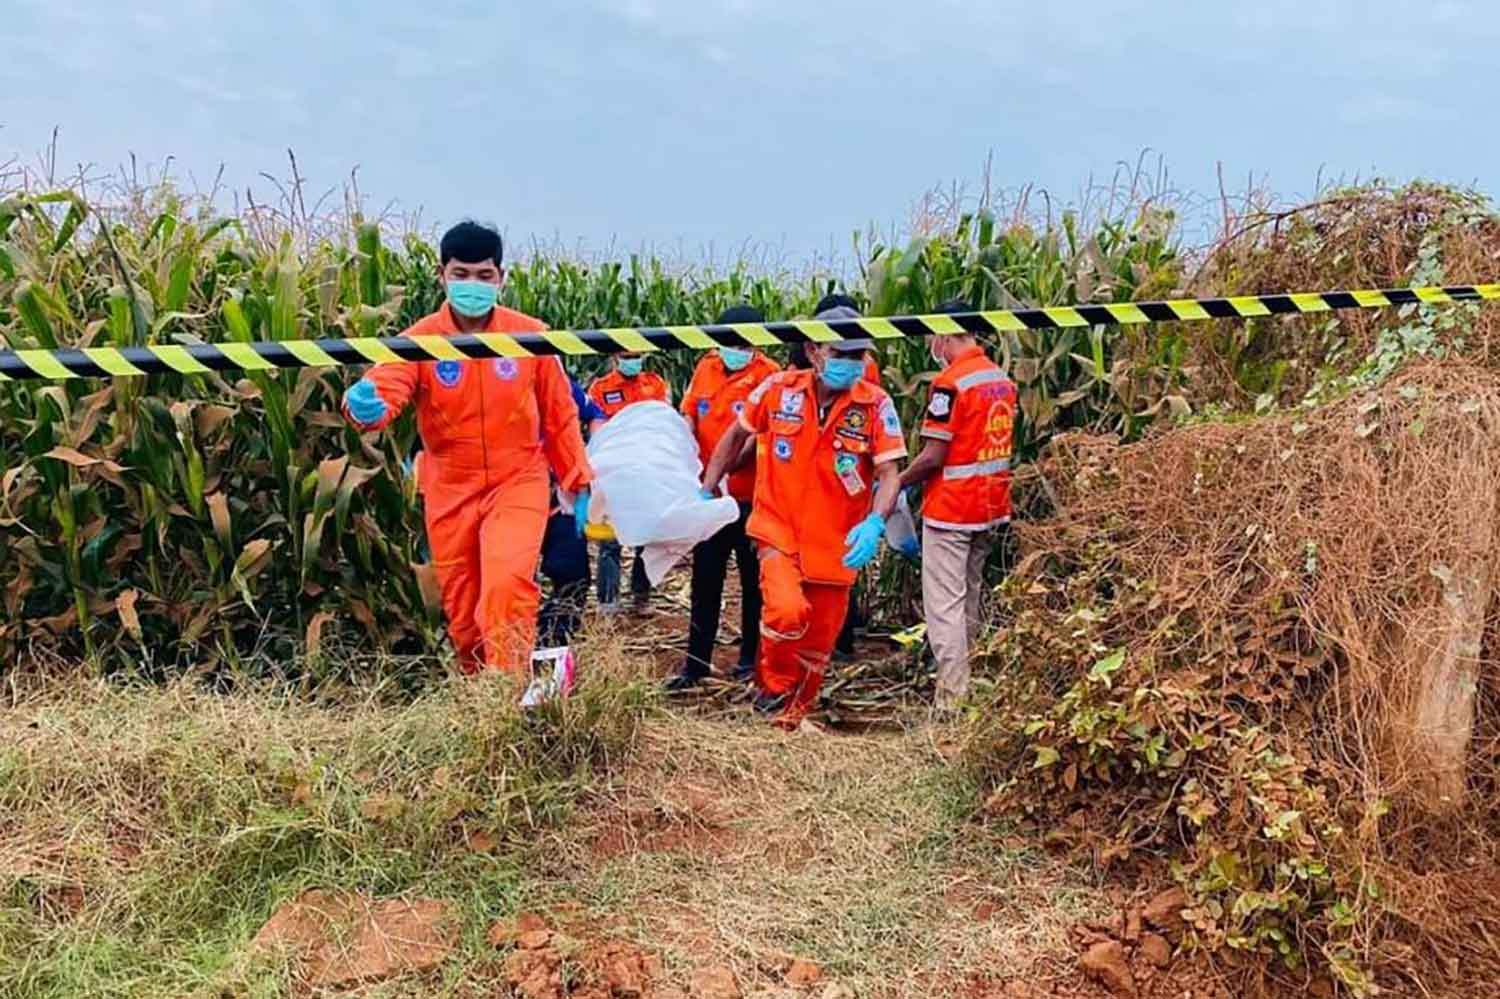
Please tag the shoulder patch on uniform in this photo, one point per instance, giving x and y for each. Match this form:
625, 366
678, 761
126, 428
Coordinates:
940, 406
889, 420
759, 392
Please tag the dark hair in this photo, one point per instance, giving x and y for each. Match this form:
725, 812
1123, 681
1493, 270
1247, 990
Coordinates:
954, 306
743, 313
834, 300
471, 242
796, 358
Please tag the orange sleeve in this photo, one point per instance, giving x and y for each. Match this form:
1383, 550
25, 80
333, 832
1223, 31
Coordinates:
889, 442
687, 408
561, 438
942, 400
396, 384
755, 417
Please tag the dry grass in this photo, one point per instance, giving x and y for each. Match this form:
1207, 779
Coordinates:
150, 831
1279, 591
146, 832
728, 844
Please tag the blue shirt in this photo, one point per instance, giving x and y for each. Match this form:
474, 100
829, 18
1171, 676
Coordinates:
588, 410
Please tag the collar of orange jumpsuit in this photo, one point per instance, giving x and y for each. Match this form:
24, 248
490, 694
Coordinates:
490, 431
815, 480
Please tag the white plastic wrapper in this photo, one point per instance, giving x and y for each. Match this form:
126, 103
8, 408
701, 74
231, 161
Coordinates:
646, 481
901, 528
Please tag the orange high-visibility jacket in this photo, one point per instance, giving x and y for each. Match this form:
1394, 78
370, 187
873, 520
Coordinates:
713, 402
972, 406
815, 479
483, 421
613, 392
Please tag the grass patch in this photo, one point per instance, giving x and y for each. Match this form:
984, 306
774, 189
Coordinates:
853, 851
147, 832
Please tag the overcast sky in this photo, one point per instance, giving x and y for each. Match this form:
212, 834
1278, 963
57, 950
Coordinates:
692, 125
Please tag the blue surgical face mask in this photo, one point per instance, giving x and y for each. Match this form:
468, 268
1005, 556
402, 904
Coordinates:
472, 298
840, 373
631, 366
734, 358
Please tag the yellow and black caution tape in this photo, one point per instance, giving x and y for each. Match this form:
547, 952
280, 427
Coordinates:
118, 362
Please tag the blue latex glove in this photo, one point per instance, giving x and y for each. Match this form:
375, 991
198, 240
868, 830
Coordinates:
706, 493
911, 548
864, 541
581, 511
364, 403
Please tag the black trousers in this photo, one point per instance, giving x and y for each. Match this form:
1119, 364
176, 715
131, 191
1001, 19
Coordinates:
565, 564
710, 566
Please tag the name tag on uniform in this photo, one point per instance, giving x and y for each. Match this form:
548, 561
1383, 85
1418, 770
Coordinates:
846, 467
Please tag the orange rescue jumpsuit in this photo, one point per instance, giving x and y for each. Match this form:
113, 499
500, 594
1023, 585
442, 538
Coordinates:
713, 403
490, 429
814, 481
613, 392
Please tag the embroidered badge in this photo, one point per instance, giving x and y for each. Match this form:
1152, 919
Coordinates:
888, 418
449, 372
783, 448
703, 408
506, 368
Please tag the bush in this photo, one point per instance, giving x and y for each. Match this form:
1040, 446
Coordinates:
1222, 650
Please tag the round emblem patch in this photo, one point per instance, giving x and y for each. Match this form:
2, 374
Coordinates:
505, 367
449, 372
702, 407
783, 449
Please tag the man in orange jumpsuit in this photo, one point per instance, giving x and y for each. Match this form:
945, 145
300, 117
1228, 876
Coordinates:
826, 477
627, 382
721, 384
490, 429
964, 470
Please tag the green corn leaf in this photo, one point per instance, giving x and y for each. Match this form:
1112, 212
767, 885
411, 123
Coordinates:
28, 302
179, 281
77, 210
286, 297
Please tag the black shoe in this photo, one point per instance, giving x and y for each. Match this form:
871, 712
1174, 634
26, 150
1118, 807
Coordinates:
683, 682
768, 704
744, 673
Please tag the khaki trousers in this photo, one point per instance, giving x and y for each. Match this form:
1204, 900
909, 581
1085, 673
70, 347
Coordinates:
952, 587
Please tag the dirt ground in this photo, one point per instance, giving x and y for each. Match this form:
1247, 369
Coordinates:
834, 862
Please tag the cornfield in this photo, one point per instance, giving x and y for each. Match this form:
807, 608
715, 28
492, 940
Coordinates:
234, 521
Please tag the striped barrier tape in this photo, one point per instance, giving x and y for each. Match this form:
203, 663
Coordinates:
119, 362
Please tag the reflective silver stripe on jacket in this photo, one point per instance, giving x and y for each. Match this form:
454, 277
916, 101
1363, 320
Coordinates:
985, 377
943, 525
977, 469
